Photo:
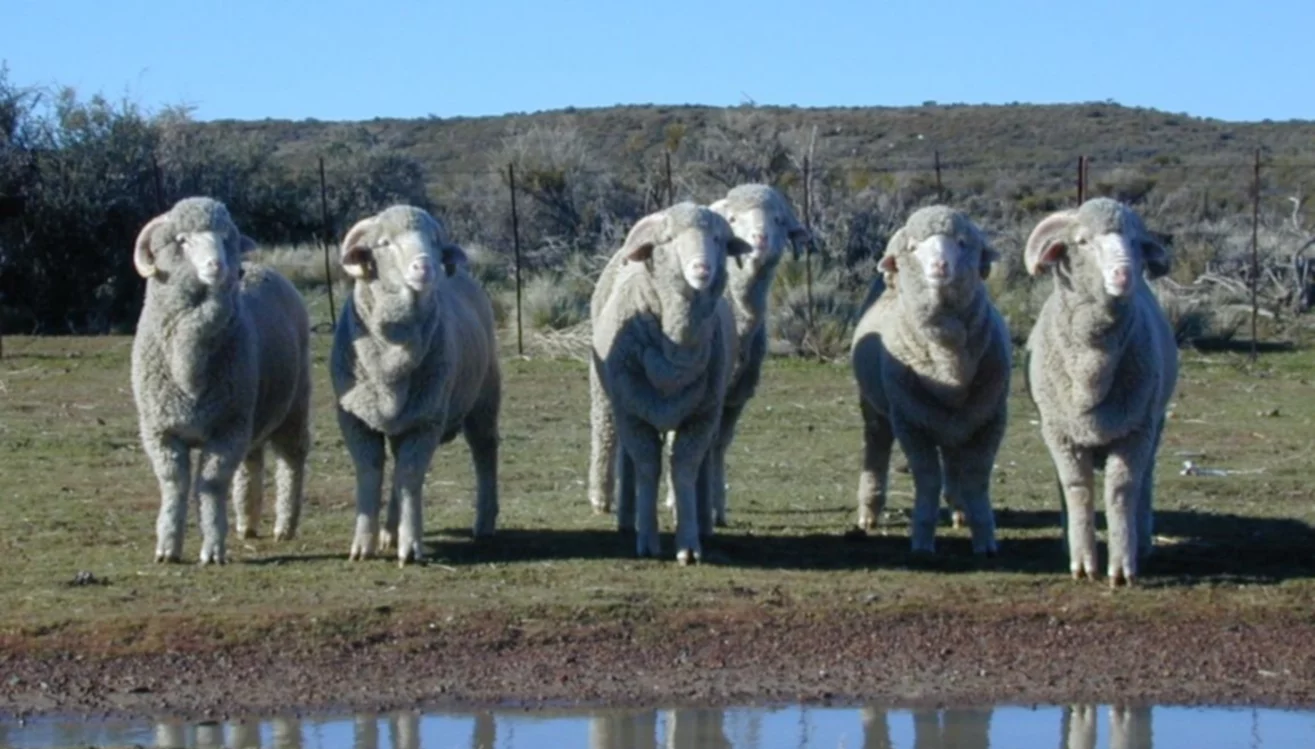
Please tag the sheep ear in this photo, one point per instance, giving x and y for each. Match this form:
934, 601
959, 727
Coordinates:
357, 259
143, 258
452, 256
989, 256
245, 244
1048, 241
887, 264
1155, 256
736, 247
643, 238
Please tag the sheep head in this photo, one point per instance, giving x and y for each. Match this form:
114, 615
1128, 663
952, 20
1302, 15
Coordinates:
400, 250
761, 216
687, 247
1100, 248
939, 252
196, 241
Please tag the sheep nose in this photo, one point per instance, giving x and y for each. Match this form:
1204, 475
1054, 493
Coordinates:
940, 268
760, 241
701, 268
1121, 275
422, 269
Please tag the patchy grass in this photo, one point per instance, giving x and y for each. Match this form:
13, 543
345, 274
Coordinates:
78, 495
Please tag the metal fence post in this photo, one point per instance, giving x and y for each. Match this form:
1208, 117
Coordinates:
516, 248
1255, 254
326, 237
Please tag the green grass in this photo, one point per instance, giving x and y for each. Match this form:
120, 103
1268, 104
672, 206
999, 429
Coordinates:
77, 494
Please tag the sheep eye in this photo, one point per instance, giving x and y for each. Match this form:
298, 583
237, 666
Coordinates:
730, 220
181, 239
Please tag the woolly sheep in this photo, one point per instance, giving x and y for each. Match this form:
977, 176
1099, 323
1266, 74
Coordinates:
220, 364
663, 348
932, 360
1102, 366
761, 216
414, 363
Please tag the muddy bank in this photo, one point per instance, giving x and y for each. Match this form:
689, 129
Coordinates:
694, 658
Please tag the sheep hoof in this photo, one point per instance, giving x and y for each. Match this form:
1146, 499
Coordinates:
248, 533
282, 534
720, 522
1120, 578
210, 556
686, 557
409, 553
601, 508
360, 550
867, 522
163, 557
386, 540
958, 519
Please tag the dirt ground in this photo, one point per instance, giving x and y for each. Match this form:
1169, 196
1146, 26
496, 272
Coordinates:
696, 658
791, 605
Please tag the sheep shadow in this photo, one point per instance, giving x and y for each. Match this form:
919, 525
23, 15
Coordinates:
1192, 548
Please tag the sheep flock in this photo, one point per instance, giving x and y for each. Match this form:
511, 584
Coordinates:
221, 367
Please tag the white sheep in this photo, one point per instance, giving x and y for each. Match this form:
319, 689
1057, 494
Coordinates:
220, 364
1102, 367
414, 363
761, 216
663, 348
932, 360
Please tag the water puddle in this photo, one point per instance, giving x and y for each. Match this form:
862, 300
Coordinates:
1070, 727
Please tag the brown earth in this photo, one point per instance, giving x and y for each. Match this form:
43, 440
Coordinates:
750, 655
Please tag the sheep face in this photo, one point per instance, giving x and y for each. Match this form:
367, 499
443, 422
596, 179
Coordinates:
196, 242
761, 217
938, 252
685, 248
1101, 249
400, 251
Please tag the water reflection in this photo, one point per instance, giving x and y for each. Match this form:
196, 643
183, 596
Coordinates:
1077, 727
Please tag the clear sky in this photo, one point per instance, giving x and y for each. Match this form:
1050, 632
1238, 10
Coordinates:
341, 60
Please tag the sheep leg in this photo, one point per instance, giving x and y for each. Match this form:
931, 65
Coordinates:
291, 445
690, 458
249, 493
625, 499
968, 474
172, 463
643, 447
877, 440
481, 430
1145, 501
1077, 477
216, 465
730, 417
668, 439
602, 444
413, 452
925, 465
391, 509
366, 448
876, 728
1125, 470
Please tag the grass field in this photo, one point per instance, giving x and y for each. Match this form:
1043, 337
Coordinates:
77, 495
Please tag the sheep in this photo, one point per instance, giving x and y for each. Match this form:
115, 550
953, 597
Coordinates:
1103, 364
220, 364
932, 357
414, 363
761, 216
663, 348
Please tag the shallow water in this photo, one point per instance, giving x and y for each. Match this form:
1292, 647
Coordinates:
1067, 727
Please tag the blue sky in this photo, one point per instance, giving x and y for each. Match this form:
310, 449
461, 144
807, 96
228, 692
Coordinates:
339, 60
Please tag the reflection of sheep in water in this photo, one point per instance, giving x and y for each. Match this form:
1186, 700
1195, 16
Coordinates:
663, 338
221, 365
623, 729
1130, 728
932, 359
414, 364
953, 728
761, 216
1102, 367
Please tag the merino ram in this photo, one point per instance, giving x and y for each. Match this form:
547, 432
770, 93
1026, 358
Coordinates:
663, 349
414, 363
221, 365
1102, 367
932, 360
761, 216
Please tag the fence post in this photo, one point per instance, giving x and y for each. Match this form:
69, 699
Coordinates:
808, 247
516, 248
940, 191
1255, 253
1082, 180
671, 191
326, 237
